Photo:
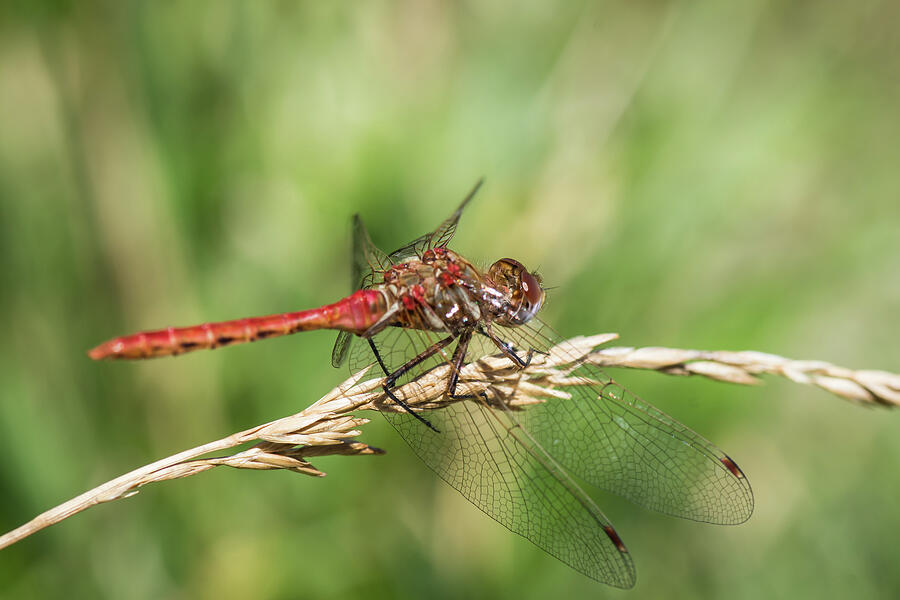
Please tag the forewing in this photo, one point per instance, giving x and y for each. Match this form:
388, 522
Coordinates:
368, 264
602, 433
612, 439
440, 237
481, 452
412, 249
369, 261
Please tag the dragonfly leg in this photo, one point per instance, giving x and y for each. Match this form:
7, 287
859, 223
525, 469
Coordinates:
506, 348
377, 356
459, 355
392, 378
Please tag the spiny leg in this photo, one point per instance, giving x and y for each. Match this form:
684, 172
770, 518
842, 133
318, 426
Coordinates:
459, 355
507, 349
392, 378
377, 356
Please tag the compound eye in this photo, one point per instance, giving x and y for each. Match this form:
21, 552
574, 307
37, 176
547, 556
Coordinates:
505, 272
531, 299
531, 287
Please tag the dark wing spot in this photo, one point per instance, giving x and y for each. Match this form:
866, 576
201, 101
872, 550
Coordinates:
615, 538
732, 466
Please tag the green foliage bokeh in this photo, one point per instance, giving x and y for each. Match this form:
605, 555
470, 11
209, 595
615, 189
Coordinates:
691, 174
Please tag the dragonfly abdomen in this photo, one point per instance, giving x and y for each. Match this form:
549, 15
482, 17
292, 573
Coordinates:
355, 313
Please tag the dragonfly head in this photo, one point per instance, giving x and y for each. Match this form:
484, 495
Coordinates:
521, 291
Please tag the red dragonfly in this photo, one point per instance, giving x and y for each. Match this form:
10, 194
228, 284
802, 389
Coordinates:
409, 308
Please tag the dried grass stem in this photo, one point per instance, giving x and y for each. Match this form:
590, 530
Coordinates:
328, 427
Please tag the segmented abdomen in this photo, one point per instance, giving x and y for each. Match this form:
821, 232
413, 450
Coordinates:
355, 313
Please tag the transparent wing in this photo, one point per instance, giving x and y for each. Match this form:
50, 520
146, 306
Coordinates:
482, 453
606, 435
368, 264
396, 346
513, 464
612, 439
341, 348
440, 237
369, 261
495, 464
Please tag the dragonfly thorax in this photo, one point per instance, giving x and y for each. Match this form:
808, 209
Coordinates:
442, 291
439, 291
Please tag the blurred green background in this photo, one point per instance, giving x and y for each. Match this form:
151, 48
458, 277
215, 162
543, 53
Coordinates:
693, 174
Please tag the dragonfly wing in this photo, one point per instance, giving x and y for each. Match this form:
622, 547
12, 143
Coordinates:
368, 263
413, 249
440, 237
491, 461
444, 233
612, 439
341, 348
396, 346
495, 464
368, 259
602, 433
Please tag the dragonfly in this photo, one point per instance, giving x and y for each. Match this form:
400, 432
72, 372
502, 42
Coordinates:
424, 305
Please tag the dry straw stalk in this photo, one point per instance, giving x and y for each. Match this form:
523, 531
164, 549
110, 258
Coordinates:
329, 427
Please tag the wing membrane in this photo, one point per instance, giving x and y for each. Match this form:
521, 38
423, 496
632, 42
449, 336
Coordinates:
513, 464
609, 437
368, 259
495, 464
368, 263
482, 453
440, 237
